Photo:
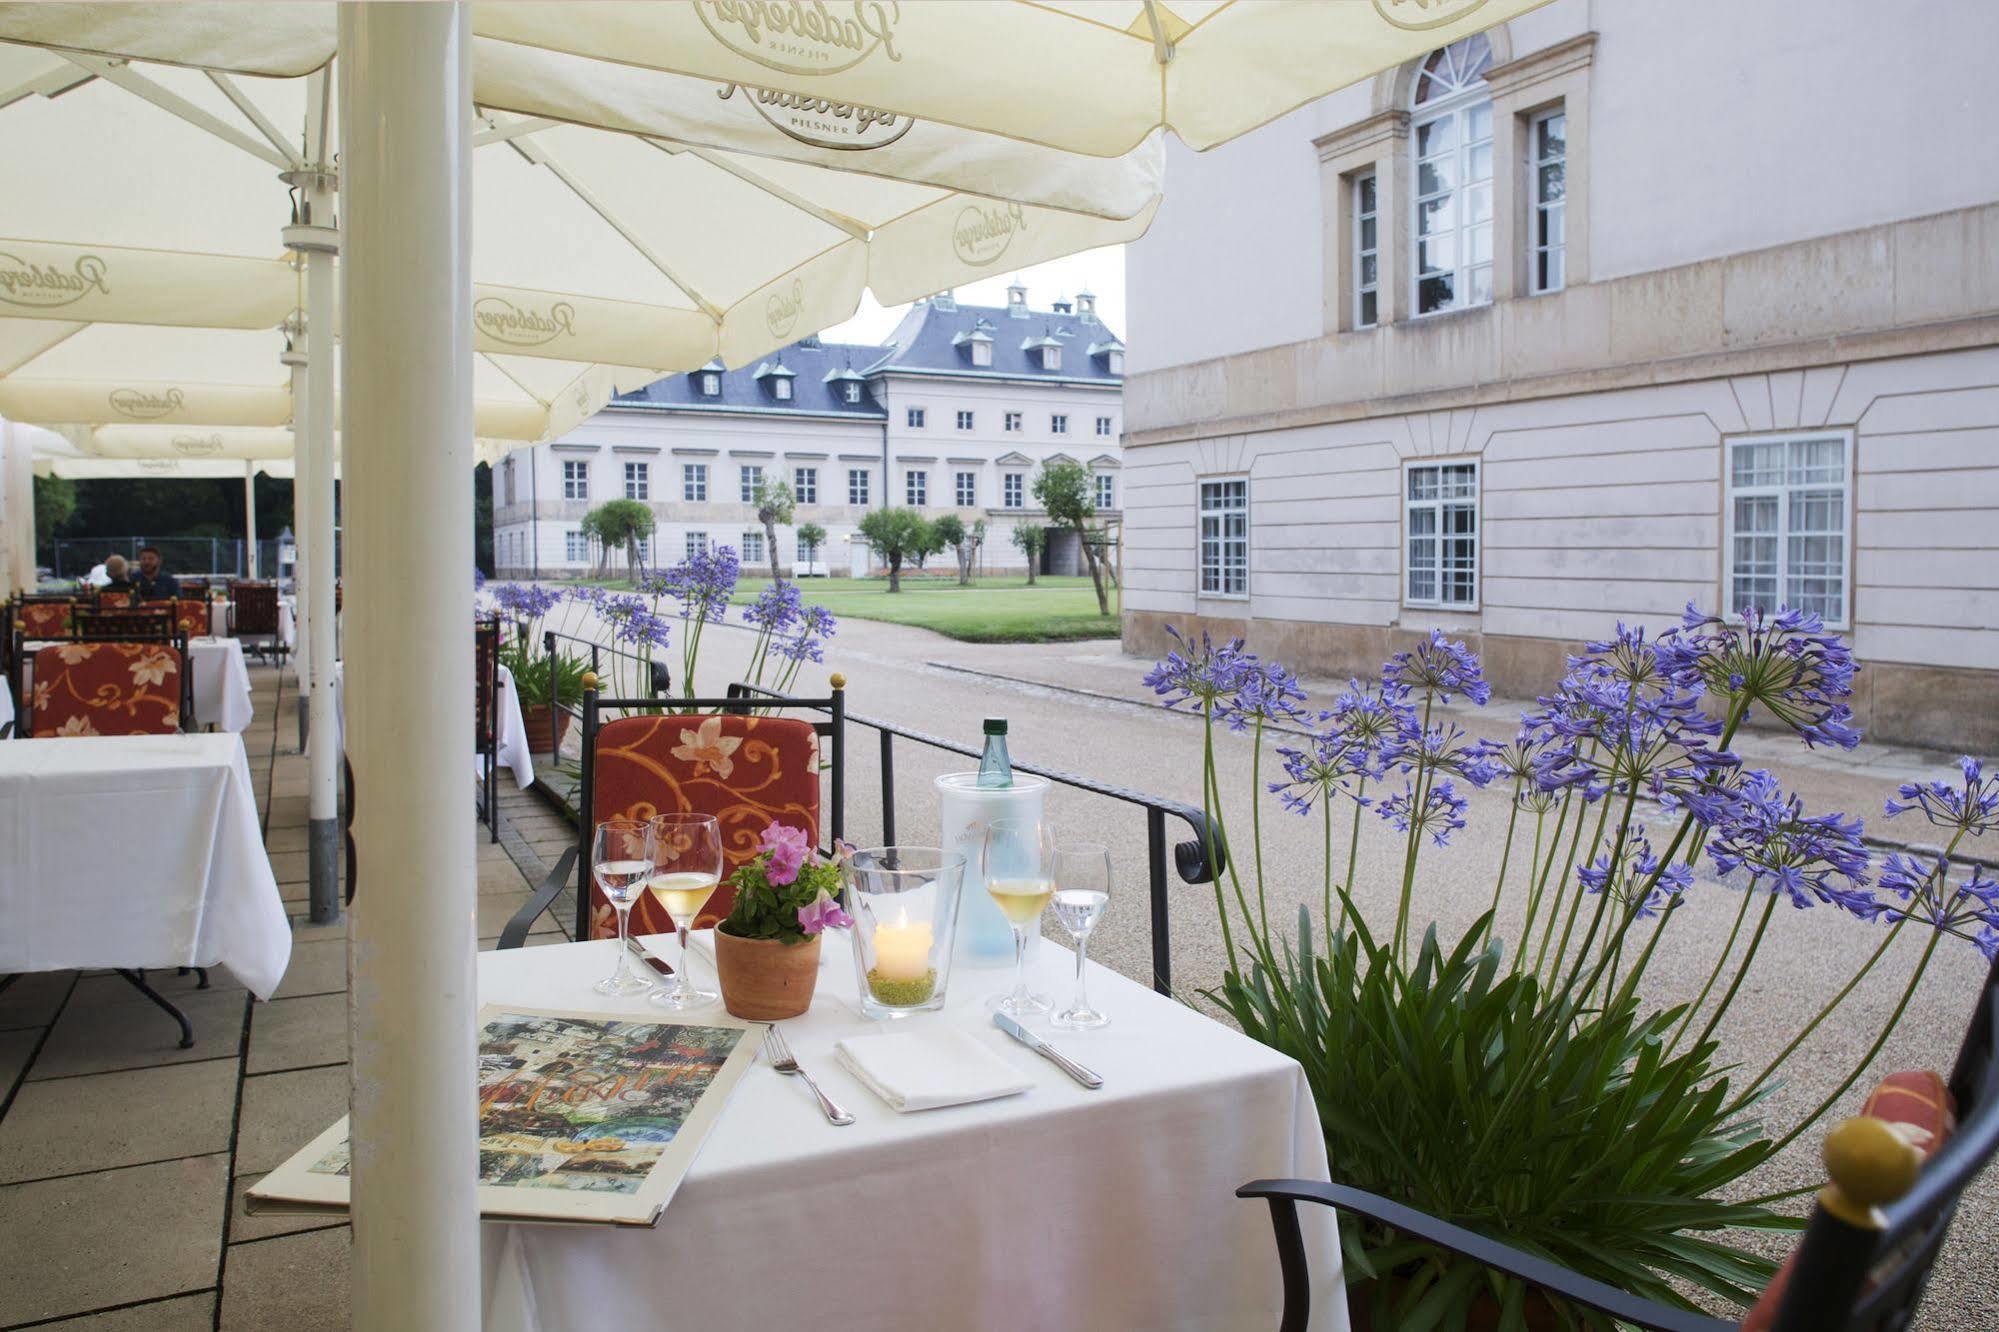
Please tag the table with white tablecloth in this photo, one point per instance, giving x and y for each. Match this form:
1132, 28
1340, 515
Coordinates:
220, 683
1057, 1209
6, 701
136, 851
510, 730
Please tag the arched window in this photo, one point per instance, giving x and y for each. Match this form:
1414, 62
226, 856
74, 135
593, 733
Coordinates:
1452, 144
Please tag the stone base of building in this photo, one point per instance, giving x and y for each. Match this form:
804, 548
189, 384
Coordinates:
1938, 707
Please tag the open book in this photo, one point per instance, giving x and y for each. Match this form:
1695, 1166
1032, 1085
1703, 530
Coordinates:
583, 1117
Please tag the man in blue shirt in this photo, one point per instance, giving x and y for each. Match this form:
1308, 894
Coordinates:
151, 583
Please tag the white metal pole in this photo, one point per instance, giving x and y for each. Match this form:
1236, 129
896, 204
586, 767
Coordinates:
406, 107
17, 510
295, 358
250, 517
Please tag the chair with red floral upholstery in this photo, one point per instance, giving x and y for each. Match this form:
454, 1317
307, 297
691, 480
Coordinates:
43, 619
718, 758
106, 688
1897, 1171
191, 616
115, 600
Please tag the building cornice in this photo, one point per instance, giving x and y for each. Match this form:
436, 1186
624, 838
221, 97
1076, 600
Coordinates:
998, 377
746, 413
1381, 130
1550, 62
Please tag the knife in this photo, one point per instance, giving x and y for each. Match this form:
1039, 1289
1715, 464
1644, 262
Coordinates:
659, 964
1047, 1051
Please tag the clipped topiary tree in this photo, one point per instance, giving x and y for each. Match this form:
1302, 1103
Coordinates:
811, 538
1065, 491
1031, 539
620, 523
897, 535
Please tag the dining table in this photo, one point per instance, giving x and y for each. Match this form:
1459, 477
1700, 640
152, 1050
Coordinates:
220, 683
510, 730
1057, 1208
78, 889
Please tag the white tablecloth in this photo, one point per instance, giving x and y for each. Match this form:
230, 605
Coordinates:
221, 683
1059, 1209
136, 851
512, 730
6, 701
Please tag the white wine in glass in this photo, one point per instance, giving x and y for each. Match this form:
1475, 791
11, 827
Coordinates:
1021, 901
686, 867
683, 894
1017, 863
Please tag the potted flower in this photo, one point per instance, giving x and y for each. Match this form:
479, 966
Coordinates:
545, 685
767, 951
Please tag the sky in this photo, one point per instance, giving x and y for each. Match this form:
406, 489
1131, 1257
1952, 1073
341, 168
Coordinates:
1101, 271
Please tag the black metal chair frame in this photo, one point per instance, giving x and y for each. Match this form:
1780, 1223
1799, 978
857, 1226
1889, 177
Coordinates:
1845, 1278
833, 728
275, 647
486, 714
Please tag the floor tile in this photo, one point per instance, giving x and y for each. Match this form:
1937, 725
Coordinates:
318, 966
298, 1033
118, 1119
32, 1001
282, 1112
15, 1047
187, 1313
297, 1282
290, 866
89, 1241
243, 1226
100, 1037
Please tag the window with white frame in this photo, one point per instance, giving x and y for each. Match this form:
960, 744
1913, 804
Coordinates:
852, 390
1051, 358
576, 480
1058, 423
781, 388
915, 418
982, 353
711, 384
1224, 554
1440, 512
1789, 498
753, 548
857, 485
1451, 138
1548, 168
638, 481
968, 489
964, 420
576, 546
1104, 427
749, 476
805, 485
1366, 251
916, 488
694, 482
1013, 490
1106, 491
697, 543
1013, 422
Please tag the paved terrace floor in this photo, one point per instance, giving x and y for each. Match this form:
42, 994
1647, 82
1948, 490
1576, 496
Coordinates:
123, 1160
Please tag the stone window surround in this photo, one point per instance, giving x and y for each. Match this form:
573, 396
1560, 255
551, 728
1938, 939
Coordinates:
1521, 89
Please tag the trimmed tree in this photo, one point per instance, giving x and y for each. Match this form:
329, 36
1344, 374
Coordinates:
774, 506
811, 536
1031, 539
896, 535
616, 523
964, 541
1065, 491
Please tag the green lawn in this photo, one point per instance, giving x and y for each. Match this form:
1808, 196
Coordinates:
993, 610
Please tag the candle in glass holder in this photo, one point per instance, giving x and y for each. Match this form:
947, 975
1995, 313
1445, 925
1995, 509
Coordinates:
902, 950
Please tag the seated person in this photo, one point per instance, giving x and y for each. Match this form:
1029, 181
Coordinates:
153, 583
97, 578
118, 575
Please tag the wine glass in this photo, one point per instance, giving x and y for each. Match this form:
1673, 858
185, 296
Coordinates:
622, 862
1082, 890
1018, 864
686, 852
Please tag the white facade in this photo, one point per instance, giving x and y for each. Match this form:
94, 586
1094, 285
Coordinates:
1769, 370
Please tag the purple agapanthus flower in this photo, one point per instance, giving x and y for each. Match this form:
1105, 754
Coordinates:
1785, 663
1445, 747
1969, 910
808, 640
1810, 859
1199, 676
1439, 668
1439, 813
821, 913
787, 847
478, 578
775, 609
1267, 693
642, 628
1637, 872
702, 583
1972, 807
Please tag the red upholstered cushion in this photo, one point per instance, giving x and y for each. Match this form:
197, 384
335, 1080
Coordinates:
44, 619
191, 616
1918, 1106
106, 689
113, 600
746, 771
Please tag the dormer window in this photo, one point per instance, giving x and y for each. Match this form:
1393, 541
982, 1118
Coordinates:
711, 384
781, 390
1051, 358
982, 353
1117, 362
852, 391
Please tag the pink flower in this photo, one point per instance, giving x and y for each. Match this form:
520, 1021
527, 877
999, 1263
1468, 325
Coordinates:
821, 913
788, 849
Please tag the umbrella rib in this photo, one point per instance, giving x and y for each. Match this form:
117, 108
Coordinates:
175, 104
255, 116
49, 83
603, 210
494, 133
858, 230
487, 357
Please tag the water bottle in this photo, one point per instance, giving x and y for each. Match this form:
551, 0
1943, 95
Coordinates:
995, 768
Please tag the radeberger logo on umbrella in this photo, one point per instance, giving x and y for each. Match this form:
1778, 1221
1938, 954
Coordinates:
821, 122
781, 308
1418, 15
159, 464
804, 36
197, 446
983, 232
41, 286
146, 404
503, 321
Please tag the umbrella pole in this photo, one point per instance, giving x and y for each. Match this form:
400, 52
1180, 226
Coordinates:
295, 358
250, 518
406, 168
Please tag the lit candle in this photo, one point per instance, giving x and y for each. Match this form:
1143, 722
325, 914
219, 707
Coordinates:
902, 950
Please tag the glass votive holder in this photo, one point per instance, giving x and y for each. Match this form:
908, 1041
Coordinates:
904, 901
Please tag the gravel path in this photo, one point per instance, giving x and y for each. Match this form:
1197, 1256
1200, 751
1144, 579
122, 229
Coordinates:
1109, 731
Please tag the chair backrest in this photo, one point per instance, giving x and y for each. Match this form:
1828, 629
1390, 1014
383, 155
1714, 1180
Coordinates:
748, 771
44, 618
114, 600
106, 688
133, 626
191, 616
253, 608
486, 683
193, 587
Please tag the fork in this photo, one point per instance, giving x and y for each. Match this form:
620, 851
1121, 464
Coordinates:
786, 1063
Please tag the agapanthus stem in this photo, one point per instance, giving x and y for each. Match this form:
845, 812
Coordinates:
1908, 993
1326, 810
1256, 820
1741, 971
1563, 891
1823, 1014
1353, 849
1505, 855
1209, 814
1534, 894
1714, 974
1603, 900
1418, 796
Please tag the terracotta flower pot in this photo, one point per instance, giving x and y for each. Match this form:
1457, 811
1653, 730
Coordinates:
545, 726
766, 979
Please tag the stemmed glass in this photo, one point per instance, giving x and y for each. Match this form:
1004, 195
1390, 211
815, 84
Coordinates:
1082, 890
686, 854
621, 859
1018, 863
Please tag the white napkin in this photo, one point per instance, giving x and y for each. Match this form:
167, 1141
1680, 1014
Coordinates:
924, 1070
